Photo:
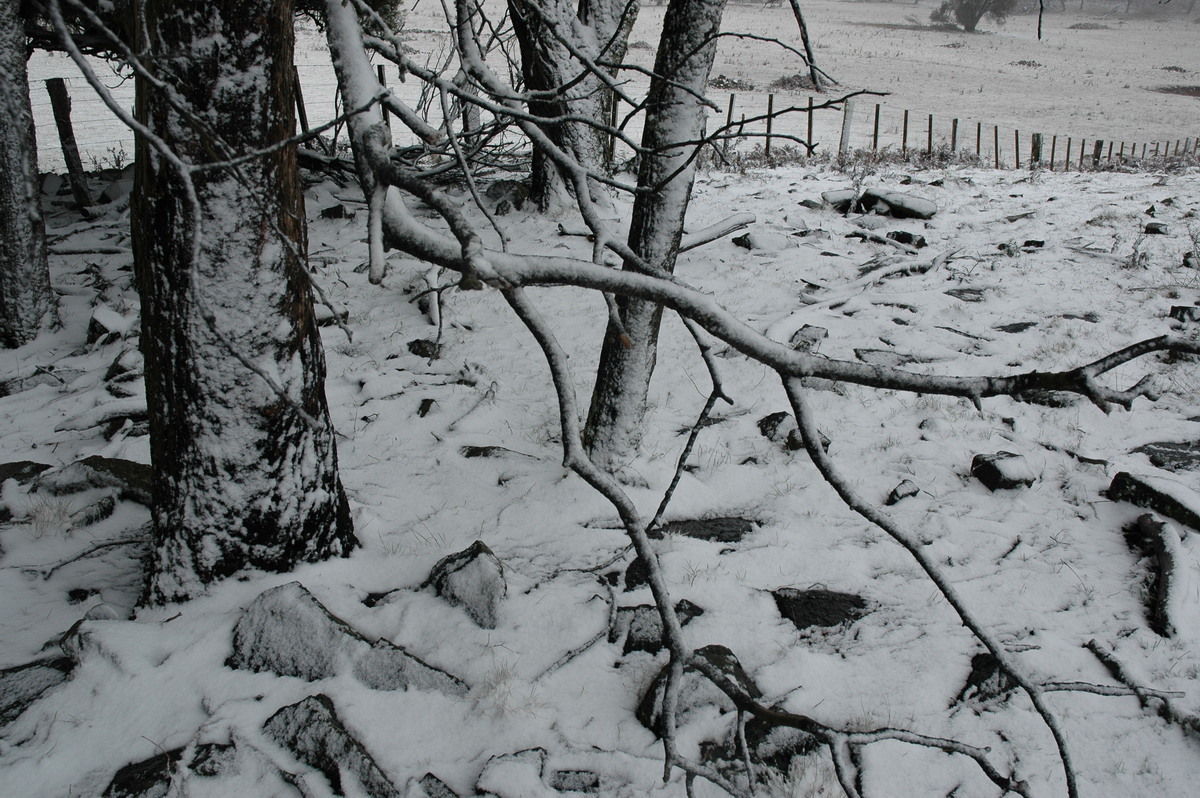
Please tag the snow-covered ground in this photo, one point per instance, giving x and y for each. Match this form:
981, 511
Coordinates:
1046, 567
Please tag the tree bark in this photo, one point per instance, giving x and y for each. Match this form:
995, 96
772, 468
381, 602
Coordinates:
598, 28
245, 472
27, 303
674, 121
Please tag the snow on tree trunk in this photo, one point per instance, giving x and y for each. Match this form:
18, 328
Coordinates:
674, 121
600, 29
245, 474
26, 301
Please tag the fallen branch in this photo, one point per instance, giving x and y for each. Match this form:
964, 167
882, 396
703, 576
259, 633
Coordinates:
47, 571
1165, 709
1164, 604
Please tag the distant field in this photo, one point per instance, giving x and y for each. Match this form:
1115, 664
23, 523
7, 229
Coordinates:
1095, 74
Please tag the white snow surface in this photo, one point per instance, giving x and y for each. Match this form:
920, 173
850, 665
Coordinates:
1046, 568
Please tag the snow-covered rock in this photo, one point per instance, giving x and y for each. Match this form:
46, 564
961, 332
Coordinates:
474, 580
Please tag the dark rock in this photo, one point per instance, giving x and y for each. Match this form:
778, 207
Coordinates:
808, 608
1164, 497
286, 631
637, 574
1185, 313
503, 208
1156, 229
769, 744
436, 788
695, 689
641, 626
315, 735
336, 211
1182, 456
513, 192
812, 204
1002, 471
425, 407
966, 294
1033, 243
79, 595
116, 190
1049, 398
781, 428
1090, 316
888, 358
133, 480
23, 471
106, 325
491, 451
717, 530
150, 778
21, 685
514, 775
986, 681
911, 239
808, 338
897, 204
902, 491
575, 781
126, 366
1191, 260
423, 347
474, 580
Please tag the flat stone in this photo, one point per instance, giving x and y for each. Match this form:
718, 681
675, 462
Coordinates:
152, 778
826, 608
898, 204
986, 681
1003, 471
1177, 456
515, 775
474, 580
23, 471
904, 490
287, 631
966, 294
696, 690
839, 200
575, 781
1163, 496
808, 338
433, 787
911, 239
22, 685
718, 530
134, 480
1157, 229
1185, 313
312, 731
641, 626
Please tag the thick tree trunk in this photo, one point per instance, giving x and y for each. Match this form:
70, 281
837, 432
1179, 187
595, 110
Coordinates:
674, 121
27, 303
600, 29
244, 476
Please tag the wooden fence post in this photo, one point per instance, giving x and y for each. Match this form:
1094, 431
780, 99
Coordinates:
1097, 151
770, 123
847, 121
61, 102
1035, 150
875, 132
1110, 146
929, 138
1017, 149
978, 139
996, 143
1082, 142
904, 135
1053, 147
954, 137
383, 82
1067, 157
301, 111
810, 120
728, 124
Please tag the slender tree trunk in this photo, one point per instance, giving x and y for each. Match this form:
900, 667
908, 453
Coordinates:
674, 121
244, 476
27, 303
813, 73
598, 28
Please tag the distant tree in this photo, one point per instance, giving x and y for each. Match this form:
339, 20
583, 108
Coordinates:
968, 12
26, 301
